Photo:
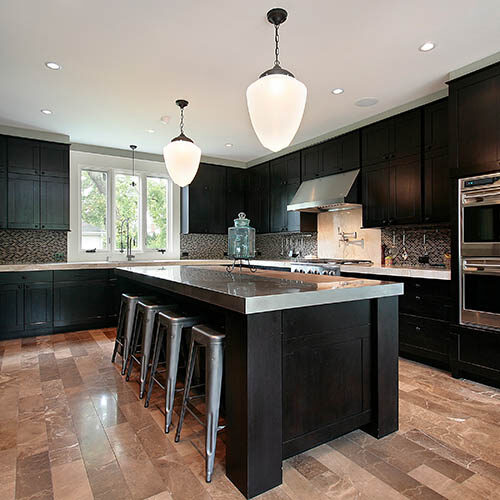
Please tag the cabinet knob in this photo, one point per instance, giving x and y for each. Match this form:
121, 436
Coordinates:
391, 221
418, 297
427, 218
417, 328
43, 226
36, 225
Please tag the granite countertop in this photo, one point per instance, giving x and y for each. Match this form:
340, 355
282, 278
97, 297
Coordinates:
55, 266
248, 293
408, 272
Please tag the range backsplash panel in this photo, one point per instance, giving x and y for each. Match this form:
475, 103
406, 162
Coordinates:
25, 246
268, 246
438, 243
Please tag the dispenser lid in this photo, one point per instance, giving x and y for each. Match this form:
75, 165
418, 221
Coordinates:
242, 220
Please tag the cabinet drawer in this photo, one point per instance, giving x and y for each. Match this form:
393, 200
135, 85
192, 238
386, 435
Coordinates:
430, 306
479, 348
429, 335
81, 275
26, 277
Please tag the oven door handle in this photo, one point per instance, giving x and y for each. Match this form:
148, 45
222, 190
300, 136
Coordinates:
477, 201
485, 269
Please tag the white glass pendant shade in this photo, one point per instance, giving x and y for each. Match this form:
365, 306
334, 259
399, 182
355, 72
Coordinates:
276, 104
182, 159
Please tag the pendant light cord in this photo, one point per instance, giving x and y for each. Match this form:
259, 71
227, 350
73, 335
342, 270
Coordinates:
182, 121
276, 41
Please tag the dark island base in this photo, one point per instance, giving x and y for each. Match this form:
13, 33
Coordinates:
300, 377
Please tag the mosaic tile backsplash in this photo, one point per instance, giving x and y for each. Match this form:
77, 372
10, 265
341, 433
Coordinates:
25, 246
438, 242
268, 246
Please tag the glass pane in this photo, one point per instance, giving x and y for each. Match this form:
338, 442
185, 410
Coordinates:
156, 229
482, 224
94, 186
126, 209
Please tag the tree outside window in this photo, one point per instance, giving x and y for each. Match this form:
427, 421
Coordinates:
156, 217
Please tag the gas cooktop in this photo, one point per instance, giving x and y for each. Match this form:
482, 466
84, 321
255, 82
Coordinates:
335, 261
330, 267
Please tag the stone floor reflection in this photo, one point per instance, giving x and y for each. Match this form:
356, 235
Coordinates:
72, 428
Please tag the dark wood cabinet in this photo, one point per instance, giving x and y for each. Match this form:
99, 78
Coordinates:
235, 195
23, 201
54, 203
331, 157
376, 182
475, 122
393, 138
38, 311
11, 309
54, 160
3, 182
204, 201
257, 207
23, 156
436, 127
406, 192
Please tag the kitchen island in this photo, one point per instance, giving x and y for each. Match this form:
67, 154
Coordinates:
308, 358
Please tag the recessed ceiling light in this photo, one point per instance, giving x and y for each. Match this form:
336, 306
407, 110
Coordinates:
53, 65
165, 119
425, 47
46, 111
228, 145
150, 131
337, 91
366, 101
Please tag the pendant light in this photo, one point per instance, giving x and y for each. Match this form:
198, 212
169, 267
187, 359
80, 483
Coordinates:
182, 155
133, 147
277, 99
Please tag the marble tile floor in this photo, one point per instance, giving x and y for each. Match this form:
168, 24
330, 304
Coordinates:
72, 428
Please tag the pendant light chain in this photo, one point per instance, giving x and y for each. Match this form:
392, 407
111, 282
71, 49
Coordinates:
277, 42
182, 121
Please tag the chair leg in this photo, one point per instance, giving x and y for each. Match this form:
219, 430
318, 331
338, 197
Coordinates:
119, 332
127, 334
213, 368
159, 336
133, 343
193, 349
147, 338
174, 337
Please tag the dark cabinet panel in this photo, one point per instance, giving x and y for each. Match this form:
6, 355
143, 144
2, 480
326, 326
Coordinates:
329, 158
258, 197
204, 201
23, 156
38, 311
406, 201
54, 203
376, 142
437, 188
11, 309
3, 198
3, 153
23, 201
407, 134
235, 195
349, 149
54, 160
310, 163
376, 195
436, 127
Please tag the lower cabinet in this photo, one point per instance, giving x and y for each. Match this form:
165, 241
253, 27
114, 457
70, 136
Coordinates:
11, 309
38, 311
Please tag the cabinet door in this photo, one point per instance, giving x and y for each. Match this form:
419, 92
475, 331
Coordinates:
217, 201
80, 302
3, 152
258, 197
23, 156
38, 312
310, 163
3, 198
349, 149
329, 158
54, 203
11, 309
376, 142
278, 213
235, 196
437, 188
376, 194
407, 133
406, 187
292, 162
478, 123
23, 201
54, 160
436, 127
292, 219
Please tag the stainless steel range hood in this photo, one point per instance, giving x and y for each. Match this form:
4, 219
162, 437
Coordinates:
327, 194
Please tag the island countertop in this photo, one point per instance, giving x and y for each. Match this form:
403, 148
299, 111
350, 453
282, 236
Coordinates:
248, 293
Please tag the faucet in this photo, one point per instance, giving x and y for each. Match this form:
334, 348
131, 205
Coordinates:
128, 238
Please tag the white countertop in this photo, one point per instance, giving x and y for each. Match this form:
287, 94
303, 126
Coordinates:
57, 266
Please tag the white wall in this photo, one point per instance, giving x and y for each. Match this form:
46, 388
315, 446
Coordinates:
79, 159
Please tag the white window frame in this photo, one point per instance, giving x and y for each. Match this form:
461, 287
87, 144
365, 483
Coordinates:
113, 166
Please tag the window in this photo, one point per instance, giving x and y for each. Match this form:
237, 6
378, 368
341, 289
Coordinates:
156, 215
111, 200
94, 196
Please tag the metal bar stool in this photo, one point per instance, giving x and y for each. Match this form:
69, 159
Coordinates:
142, 336
213, 341
169, 329
126, 317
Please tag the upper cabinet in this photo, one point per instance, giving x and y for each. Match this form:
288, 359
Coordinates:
236, 194
257, 201
34, 181
203, 202
475, 118
331, 157
392, 139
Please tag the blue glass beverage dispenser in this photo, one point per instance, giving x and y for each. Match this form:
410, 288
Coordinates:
241, 240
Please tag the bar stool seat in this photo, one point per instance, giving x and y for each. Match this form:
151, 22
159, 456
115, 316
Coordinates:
142, 336
213, 341
124, 329
170, 327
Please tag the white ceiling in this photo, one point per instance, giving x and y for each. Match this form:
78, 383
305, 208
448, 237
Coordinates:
126, 61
